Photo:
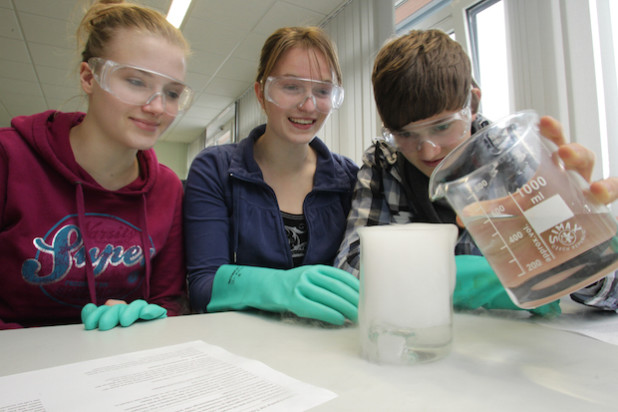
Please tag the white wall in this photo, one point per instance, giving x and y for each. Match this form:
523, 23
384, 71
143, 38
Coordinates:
359, 31
250, 113
174, 156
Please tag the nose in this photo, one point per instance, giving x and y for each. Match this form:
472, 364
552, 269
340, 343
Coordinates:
154, 104
428, 148
304, 105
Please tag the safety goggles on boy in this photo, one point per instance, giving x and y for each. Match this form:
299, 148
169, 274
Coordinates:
444, 132
289, 92
139, 86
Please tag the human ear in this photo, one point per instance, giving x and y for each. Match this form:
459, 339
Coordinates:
476, 91
86, 78
259, 93
476, 101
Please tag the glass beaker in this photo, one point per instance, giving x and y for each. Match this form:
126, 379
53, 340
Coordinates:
405, 310
537, 224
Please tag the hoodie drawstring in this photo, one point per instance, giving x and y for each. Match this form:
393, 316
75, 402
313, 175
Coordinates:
145, 248
81, 220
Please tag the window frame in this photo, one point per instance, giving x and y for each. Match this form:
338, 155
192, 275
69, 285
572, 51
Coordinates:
471, 14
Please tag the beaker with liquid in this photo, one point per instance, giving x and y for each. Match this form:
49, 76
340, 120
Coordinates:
537, 224
405, 309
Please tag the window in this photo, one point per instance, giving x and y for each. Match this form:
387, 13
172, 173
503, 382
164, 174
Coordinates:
409, 14
488, 50
486, 43
604, 16
613, 6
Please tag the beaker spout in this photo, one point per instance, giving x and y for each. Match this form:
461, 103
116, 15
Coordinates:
436, 190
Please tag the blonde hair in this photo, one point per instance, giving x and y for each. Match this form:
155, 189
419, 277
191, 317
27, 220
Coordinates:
105, 17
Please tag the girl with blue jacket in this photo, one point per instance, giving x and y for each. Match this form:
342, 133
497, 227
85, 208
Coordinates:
264, 217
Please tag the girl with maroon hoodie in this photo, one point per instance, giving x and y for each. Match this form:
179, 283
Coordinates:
90, 222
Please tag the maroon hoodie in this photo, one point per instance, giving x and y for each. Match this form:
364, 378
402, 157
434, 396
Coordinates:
66, 241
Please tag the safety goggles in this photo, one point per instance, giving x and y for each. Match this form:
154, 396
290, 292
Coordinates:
290, 92
139, 86
446, 131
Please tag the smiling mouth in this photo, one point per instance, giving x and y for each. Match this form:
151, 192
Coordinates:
144, 124
303, 122
432, 163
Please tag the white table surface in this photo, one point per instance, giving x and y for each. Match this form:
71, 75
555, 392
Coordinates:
498, 362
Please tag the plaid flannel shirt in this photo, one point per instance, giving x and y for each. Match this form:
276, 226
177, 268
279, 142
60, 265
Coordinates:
378, 199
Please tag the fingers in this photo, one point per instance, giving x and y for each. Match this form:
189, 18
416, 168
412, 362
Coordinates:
321, 304
131, 312
346, 286
109, 318
314, 308
140, 309
112, 302
343, 306
578, 158
104, 317
90, 316
575, 156
338, 274
605, 191
153, 311
329, 294
552, 130
113, 313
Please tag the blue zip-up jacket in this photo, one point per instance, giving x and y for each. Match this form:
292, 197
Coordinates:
232, 215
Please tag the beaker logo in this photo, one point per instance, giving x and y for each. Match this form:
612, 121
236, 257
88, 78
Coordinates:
565, 237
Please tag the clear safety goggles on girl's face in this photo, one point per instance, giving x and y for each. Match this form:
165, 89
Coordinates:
290, 92
139, 86
446, 131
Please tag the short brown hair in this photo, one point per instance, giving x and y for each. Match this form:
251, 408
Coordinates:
105, 17
419, 75
286, 38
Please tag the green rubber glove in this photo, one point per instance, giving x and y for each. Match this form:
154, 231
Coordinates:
107, 317
478, 286
313, 291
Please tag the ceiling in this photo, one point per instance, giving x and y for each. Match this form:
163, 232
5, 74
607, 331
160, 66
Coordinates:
39, 57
